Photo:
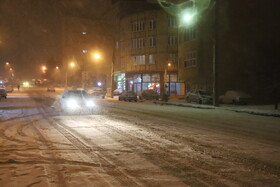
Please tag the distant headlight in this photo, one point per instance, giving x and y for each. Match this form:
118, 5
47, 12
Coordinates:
89, 103
72, 104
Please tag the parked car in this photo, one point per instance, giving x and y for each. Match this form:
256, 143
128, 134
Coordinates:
76, 101
50, 89
3, 93
199, 96
9, 88
235, 97
128, 96
118, 91
97, 92
149, 95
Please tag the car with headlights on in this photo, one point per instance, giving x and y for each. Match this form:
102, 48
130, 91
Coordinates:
199, 96
128, 96
76, 101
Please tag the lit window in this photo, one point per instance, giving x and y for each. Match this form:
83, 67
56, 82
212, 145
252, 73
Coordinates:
138, 60
141, 60
84, 33
85, 51
152, 59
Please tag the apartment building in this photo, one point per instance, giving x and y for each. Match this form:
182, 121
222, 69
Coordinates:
147, 53
230, 39
237, 41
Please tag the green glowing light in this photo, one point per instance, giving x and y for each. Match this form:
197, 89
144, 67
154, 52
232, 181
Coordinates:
188, 17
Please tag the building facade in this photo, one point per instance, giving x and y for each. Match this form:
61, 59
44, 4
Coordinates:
217, 52
147, 53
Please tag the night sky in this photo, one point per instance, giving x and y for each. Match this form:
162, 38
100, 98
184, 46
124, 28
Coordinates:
30, 31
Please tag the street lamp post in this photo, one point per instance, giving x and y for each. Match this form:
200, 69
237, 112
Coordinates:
215, 55
187, 18
165, 77
112, 75
72, 65
66, 80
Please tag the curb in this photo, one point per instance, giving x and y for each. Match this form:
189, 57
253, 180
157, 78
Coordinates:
185, 105
259, 113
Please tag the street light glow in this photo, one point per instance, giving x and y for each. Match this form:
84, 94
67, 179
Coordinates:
56, 67
44, 68
187, 17
72, 64
7, 63
96, 56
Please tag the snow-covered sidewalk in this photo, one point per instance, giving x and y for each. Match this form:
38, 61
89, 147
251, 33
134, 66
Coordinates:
264, 110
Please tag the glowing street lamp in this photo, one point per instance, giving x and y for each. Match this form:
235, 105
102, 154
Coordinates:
44, 69
187, 17
96, 56
72, 64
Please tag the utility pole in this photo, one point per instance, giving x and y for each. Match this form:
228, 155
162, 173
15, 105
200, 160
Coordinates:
215, 55
112, 70
66, 79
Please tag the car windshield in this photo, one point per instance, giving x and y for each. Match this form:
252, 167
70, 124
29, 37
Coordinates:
77, 93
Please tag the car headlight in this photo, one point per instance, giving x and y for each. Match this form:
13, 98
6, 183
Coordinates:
72, 104
89, 103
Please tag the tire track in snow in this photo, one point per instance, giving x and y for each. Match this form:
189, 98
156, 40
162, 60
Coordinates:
227, 159
167, 160
105, 159
58, 177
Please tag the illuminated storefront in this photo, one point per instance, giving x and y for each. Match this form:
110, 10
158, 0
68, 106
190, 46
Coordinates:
150, 81
120, 80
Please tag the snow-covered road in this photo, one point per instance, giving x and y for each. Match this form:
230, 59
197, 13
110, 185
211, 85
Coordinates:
134, 144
